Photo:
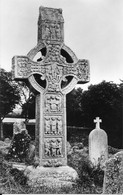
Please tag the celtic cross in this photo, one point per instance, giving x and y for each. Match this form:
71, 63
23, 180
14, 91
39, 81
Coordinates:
59, 71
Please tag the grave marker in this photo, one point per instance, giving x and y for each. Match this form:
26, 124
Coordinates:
97, 121
56, 64
18, 126
98, 144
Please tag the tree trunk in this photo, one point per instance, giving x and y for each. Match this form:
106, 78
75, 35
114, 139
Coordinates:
1, 130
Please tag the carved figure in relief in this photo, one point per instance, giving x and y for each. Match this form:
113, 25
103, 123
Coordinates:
58, 102
59, 125
47, 31
52, 28
53, 103
53, 87
47, 104
52, 31
54, 75
47, 148
53, 147
53, 125
47, 125
58, 147
58, 35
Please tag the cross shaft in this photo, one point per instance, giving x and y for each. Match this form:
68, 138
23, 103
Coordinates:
51, 101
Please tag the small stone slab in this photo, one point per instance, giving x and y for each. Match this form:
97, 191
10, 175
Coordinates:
63, 176
4, 147
113, 178
19, 166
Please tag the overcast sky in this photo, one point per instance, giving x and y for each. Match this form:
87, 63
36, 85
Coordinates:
93, 30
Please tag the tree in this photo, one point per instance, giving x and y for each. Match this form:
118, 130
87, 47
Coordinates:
74, 110
9, 95
28, 108
27, 102
104, 100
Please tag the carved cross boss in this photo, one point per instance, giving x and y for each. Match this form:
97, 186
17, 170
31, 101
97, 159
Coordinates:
53, 68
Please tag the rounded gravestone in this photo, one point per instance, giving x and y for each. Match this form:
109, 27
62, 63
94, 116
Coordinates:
98, 145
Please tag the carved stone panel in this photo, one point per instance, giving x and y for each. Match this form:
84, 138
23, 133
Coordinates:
80, 70
83, 71
53, 103
50, 24
53, 54
51, 31
53, 147
53, 125
23, 67
54, 75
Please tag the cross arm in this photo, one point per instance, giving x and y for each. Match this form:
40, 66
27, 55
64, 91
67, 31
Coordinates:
80, 70
23, 67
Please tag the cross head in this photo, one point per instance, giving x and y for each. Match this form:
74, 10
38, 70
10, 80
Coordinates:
57, 65
97, 121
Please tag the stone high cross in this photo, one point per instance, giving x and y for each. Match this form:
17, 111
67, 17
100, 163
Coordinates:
53, 75
97, 121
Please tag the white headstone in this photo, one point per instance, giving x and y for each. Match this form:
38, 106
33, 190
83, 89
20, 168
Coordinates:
98, 144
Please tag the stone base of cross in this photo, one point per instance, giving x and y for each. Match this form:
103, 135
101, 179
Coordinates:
56, 64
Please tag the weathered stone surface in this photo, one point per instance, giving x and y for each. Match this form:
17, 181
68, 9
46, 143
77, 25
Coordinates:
19, 166
4, 146
53, 66
98, 145
51, 177
18, 127
7, 141
113, 179
19, 148
31, 152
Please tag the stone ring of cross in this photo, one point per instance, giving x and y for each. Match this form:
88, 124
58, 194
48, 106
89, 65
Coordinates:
57, 68
59, 77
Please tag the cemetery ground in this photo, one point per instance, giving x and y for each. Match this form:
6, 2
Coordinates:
13, 181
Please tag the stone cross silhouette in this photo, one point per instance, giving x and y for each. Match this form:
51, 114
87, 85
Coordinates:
53, 75
97, 121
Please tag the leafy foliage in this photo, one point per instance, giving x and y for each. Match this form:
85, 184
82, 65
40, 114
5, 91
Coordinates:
74, 110
104, 100
11, 181
19, 147
9, 94
28, 108
19, 176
